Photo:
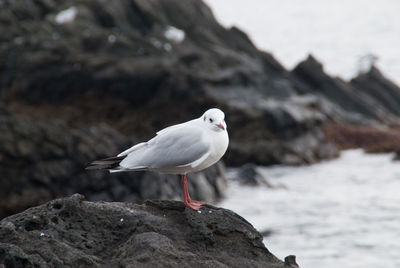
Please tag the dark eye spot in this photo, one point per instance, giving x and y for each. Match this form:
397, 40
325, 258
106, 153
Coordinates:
211, 120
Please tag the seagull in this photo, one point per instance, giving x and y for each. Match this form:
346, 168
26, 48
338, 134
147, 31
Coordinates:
179, 149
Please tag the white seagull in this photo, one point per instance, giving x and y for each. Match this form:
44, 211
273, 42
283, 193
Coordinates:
179, 149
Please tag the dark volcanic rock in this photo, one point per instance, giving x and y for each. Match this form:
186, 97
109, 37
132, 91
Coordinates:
249, 175
368, 99
383, 91
40, 161
277, 132
71, 232
360, 109
143, 65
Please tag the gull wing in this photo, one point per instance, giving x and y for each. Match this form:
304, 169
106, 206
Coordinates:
177, 146
162, 131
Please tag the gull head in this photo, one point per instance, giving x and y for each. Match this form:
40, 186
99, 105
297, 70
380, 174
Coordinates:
214, 119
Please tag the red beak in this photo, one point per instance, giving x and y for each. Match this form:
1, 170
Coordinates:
221, 126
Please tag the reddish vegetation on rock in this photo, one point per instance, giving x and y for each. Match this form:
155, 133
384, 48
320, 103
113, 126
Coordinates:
370, 138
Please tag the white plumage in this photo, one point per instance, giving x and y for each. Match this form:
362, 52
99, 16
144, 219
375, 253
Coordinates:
179, 149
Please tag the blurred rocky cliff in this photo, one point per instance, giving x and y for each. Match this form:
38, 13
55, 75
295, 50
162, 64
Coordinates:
85, 79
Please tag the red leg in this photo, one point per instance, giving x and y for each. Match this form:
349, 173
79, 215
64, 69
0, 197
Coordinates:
193, 204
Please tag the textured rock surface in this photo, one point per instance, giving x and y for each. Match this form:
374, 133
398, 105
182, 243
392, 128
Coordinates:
71, 232
117, 62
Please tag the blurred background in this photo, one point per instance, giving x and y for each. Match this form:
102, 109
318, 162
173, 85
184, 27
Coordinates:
310, 92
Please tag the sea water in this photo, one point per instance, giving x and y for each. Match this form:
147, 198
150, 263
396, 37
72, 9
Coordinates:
338, 213
344, 35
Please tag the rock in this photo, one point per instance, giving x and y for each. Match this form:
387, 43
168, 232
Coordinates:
115, 72
367, 99
248, 175
372, 139
290, 261
3, 109
165, 61
115, 62
40, 161
274, 129
383, 91
76, 233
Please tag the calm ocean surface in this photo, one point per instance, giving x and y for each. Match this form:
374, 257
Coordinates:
339, 213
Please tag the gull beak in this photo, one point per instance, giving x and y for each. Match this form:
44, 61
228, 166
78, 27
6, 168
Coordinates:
221, 126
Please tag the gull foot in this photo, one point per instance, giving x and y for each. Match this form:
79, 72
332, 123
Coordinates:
193, 204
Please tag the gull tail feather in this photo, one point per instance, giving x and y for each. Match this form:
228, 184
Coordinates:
121, 169
112, 164
106, 163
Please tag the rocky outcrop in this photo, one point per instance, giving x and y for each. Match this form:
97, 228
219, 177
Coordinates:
86, 79
71, 232
368, 99
142, 65
42, 161
385, 93
361, 114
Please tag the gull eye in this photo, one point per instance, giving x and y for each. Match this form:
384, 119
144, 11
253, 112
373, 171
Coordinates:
211, 120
